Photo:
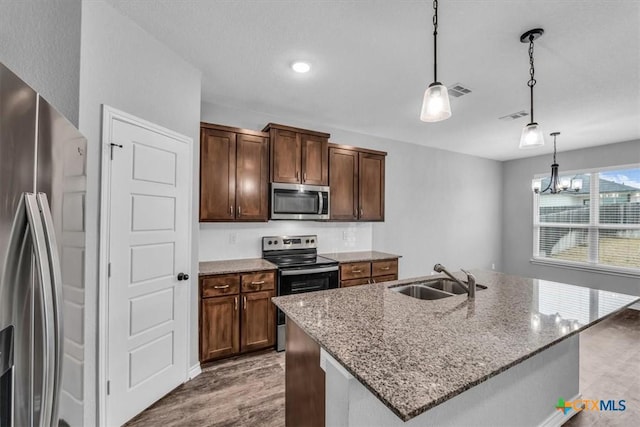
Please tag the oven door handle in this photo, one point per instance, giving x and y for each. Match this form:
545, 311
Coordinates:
308, 271
320, 203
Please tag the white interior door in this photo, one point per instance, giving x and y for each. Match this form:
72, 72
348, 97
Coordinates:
148, 249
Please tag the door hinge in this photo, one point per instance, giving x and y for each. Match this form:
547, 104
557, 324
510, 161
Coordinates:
109, 270
108, 388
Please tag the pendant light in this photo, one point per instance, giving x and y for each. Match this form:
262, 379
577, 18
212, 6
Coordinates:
435, 105
531, 134
555, 184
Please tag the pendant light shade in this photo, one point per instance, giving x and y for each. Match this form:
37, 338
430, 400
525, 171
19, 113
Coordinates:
531, 136
435, 105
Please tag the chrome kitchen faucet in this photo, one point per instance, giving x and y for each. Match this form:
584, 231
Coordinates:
470, 286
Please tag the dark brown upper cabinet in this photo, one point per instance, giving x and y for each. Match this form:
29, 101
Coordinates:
356, 177
234, 176
298, 156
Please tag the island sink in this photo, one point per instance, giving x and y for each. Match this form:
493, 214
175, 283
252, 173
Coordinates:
450, 286
421, 292
433, 289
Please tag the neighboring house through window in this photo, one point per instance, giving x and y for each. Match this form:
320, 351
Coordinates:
597, 226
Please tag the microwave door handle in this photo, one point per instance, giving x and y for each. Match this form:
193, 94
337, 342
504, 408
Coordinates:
320, 203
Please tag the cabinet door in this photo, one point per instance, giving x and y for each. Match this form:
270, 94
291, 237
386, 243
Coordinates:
343, 180
315, 165
252, 178
371, 186
219, 329
217, 175
258, 320
286, 155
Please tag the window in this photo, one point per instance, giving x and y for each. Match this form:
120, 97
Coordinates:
597, 226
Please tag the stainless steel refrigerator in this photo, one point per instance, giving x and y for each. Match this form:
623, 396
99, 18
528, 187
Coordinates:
39, 151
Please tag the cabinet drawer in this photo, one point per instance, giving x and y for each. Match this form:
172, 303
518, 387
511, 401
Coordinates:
380, 279
354, 282
384, 268
355, 270
226, 284
262, 281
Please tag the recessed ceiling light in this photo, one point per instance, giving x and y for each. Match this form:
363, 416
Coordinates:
300, 67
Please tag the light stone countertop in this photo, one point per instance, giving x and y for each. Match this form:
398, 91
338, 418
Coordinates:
361, 256
415, 354
234, 266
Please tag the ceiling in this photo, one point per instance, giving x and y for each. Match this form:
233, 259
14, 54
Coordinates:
372, 60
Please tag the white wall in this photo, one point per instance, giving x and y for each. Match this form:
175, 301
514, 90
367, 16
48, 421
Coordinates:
243, 240
124, 67
440, 206
517, 237
40, 42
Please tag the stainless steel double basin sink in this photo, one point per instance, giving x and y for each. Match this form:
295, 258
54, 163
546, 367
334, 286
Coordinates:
433, 289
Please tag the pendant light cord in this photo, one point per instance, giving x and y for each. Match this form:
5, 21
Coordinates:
554, 149
532, 81
435, 36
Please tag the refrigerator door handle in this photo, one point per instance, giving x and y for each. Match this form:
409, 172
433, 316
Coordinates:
43, 270
56, 291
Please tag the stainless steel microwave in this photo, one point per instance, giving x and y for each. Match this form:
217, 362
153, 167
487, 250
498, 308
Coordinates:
301, 202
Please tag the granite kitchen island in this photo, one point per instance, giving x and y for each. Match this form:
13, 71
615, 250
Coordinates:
371, 356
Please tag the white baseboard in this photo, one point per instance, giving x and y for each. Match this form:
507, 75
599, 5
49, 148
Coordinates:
194, 371
559, 418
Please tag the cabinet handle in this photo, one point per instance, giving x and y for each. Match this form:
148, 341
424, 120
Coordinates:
369, 281
244, 301
261, 282
373, 280
356, 271
304, 177
385, 268
230, 210
361, 212
221, 286
297, 174
235, 301
239, 210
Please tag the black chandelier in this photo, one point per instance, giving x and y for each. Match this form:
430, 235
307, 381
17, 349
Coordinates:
556, 185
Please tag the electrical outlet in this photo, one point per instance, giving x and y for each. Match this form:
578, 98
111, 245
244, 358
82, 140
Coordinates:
233, 237
493, 266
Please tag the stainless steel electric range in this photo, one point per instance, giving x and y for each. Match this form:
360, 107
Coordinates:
300, 269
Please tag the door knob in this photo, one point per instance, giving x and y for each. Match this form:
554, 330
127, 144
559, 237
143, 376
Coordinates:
183, 276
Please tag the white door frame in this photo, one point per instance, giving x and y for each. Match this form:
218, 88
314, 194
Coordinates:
108, 115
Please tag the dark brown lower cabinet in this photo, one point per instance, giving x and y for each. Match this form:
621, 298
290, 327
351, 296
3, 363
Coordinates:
219, 329
366, 272
258, 320
236, 313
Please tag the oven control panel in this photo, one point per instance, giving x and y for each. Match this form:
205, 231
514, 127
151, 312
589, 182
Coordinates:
275, 243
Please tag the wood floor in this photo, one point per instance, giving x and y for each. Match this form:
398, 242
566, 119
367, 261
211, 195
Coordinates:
249, 390
241, 391
610, 369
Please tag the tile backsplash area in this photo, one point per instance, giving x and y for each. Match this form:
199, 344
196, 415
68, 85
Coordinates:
219, 241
